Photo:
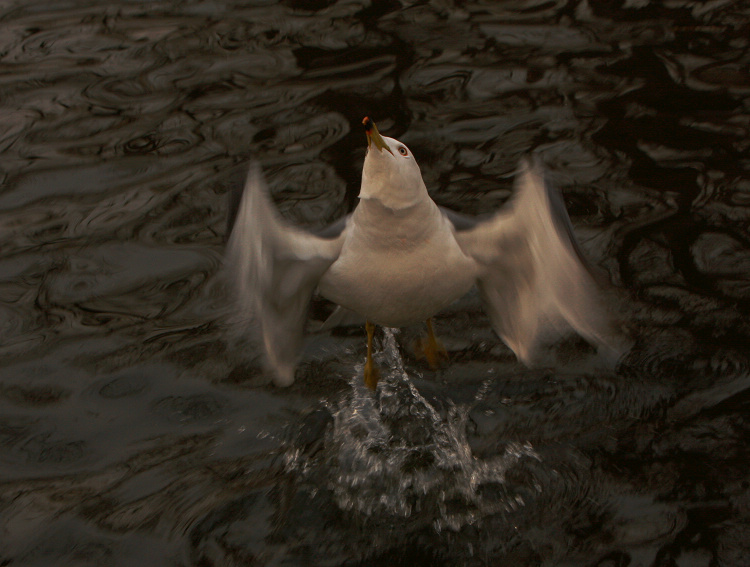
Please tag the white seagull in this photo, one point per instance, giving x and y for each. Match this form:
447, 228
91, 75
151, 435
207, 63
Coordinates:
398, 259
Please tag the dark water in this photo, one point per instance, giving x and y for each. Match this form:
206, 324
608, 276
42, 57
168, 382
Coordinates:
133, 429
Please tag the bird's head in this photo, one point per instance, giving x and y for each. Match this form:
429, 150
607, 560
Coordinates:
390, 174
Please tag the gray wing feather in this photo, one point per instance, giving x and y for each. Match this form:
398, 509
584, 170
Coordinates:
275, 268
459, 221
341, 317
334, 229
534, 281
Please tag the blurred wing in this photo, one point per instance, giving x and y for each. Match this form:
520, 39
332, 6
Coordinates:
533, 279
460, 221
276, 267
342, 317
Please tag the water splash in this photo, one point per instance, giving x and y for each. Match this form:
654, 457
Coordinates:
395, 454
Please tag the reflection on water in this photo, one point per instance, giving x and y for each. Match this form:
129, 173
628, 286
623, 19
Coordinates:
134, 430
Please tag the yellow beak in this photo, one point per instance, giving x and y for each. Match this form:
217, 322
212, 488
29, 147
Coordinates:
373, 136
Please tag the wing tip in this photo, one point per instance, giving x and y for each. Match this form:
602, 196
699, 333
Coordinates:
239, 194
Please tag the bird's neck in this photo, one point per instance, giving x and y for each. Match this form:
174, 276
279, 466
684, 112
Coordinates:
394, 202
391, 189
380, 223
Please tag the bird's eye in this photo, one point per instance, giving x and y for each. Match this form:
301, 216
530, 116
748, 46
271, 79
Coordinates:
403, 151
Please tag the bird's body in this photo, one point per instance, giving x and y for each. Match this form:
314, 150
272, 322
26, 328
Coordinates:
399, 258
398, 267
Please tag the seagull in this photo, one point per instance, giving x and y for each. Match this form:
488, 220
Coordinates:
399, 258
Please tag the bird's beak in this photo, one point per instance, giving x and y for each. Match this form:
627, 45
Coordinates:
373, 136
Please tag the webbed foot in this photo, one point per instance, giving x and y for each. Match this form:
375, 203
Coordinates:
431, 349
372, 375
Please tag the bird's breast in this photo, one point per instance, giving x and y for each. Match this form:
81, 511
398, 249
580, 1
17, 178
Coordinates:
401, 283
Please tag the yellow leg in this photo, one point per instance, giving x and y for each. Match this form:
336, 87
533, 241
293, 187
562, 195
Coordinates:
372, 372
431, 348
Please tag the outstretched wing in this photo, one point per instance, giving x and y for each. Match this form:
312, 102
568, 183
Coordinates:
275, 268
533, 279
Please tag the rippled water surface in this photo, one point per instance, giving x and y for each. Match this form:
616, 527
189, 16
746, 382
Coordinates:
136, 429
